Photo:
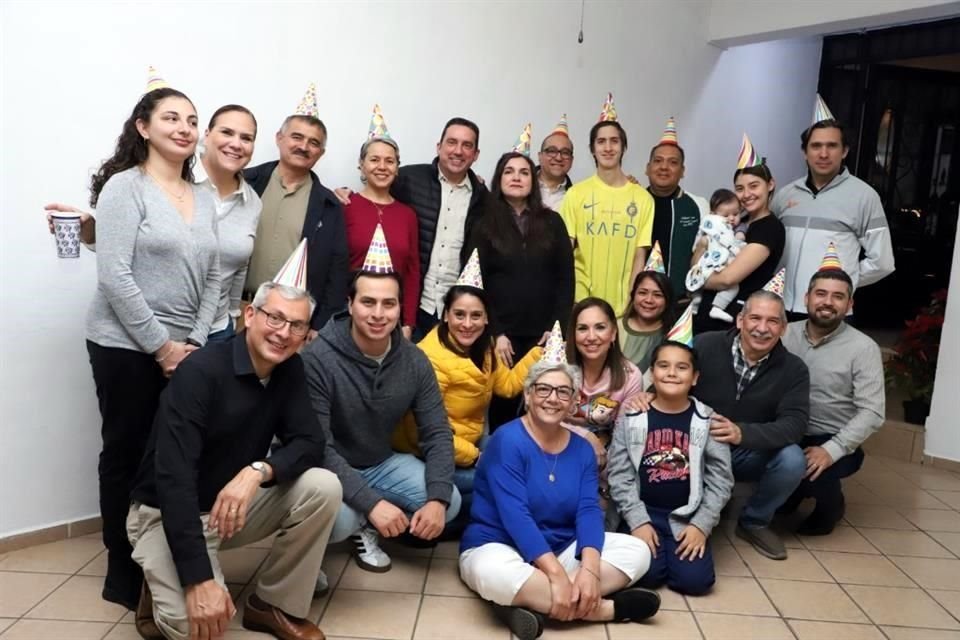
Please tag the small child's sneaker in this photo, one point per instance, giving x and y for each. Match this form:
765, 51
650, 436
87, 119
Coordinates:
719, 314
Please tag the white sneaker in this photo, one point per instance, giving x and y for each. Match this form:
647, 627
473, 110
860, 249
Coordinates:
719, 314
367, 552
322, 586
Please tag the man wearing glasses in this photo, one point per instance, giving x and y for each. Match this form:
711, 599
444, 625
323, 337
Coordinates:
205, 483
556, 158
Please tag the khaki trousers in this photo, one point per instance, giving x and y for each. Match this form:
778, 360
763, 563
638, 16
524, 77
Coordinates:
303, 511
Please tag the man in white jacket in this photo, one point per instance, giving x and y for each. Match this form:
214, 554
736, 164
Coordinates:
830, 205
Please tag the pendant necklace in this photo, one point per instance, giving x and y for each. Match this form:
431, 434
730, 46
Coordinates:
550, 476
178, 198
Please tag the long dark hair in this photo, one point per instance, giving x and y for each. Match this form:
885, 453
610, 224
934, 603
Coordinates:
616, 362
668, 317
132, 149
497, 224
483, 345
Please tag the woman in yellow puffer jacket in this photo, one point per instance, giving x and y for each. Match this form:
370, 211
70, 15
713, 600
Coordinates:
461, 350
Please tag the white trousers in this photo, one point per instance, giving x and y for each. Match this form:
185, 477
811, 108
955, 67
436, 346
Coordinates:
497, 572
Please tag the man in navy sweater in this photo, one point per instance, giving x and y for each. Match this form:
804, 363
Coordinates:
761, 393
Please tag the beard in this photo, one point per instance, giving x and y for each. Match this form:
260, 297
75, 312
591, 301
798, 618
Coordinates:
826, 323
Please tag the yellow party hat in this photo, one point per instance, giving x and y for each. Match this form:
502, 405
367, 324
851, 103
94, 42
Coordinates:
608, 113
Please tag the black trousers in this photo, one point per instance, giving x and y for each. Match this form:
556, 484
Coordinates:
128, 389
503, 410
826, 489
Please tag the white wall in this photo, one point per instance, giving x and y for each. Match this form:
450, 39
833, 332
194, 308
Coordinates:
943, 431
72, 71
737, 22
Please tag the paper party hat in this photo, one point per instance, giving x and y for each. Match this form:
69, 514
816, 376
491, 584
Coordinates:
669, 133
609, 112
776, 283
820, 111
561, 127
748, 156
308, 104
378, 126
831, 259
155, 80
655, 261
523, 141
378, 255
293, 273
682, 331
555, 350
470, 276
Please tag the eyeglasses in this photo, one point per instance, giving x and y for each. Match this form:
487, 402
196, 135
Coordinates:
542, 390
553, 152
298, 328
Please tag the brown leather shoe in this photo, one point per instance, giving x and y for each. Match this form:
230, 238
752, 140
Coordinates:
260, 616
143, 617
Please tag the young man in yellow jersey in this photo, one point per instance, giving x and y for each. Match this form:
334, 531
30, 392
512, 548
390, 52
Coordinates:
609, 220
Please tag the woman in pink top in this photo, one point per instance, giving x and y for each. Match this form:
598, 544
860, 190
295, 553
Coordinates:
609, 379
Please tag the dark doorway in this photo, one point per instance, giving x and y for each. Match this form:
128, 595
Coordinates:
898, 92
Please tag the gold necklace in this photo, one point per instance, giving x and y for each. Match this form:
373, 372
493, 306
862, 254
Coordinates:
178, 198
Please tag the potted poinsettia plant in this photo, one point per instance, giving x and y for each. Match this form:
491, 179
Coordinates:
914, 364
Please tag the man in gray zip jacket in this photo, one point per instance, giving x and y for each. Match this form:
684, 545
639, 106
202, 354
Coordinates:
829, 205
363, 377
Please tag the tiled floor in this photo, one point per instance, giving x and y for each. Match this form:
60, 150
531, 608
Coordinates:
893, 571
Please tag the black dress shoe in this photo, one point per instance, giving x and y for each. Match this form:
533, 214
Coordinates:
635, 604
523, 623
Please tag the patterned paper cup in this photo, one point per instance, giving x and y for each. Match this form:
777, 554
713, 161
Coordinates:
66, 230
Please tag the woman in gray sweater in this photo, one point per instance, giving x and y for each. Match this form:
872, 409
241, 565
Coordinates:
158, 286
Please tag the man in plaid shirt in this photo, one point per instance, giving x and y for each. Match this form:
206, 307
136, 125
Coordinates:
761, 395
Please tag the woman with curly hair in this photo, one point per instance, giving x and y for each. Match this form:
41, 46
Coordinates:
158, 287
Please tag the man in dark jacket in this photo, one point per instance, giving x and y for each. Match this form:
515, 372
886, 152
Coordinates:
447, 196
761, 395
364, 377
296, 205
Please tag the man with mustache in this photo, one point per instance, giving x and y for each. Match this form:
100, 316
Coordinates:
297, 206
761, 395
847, 402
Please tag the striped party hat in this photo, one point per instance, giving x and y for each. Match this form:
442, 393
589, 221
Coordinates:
293, 273
471, 276
308, 104
669, 133
378, 126
682, 330
748, 156
555, 350
561, 127
608, 113
831, 259
776, 283
820, 111
378, 255
655, 261
155, 80
523, 141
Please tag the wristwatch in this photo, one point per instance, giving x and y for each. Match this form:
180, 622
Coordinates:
260, 466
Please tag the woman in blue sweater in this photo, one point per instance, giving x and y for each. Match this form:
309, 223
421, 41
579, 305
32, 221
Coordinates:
535, 545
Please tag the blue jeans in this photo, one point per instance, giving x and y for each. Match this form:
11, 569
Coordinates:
692, 577
224, 334
777, 473
400, 480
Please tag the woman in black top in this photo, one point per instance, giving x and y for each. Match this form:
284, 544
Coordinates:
526, 262
757, 262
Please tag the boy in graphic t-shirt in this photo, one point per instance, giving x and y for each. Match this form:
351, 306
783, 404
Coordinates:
668, 478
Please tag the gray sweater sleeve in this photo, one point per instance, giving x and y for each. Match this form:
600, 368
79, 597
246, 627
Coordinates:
623, 479
210, 297
869, 399
120, 210
434, 434
717, 485
356, 492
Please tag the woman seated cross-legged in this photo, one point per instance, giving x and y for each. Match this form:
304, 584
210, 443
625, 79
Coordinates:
535, 545
669, 478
